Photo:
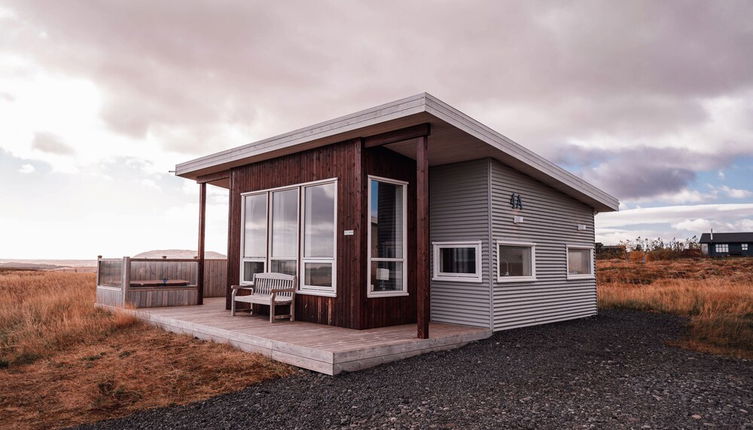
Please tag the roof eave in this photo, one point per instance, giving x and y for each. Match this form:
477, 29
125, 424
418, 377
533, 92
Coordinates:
327, 132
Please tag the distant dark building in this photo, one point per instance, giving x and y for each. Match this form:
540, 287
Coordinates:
726, 244
605, 252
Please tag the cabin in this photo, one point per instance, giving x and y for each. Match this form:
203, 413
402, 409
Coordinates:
408, 214
727, 244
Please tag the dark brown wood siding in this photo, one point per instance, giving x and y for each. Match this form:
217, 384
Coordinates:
342, 161
350, 163
385, 311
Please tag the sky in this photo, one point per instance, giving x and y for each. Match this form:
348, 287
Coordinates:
651, 101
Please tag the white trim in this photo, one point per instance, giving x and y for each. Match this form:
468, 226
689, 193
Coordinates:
438, 275
292, 186
270, 231
505, 279
404, 260
243, 258
591, 275
310, 289
299, 259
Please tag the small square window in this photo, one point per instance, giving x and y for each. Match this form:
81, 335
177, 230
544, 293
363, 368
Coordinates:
744, 246
516, 261
579, 262
457, 261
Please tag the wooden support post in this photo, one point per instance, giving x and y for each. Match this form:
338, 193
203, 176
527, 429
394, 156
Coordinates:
125, 280
423, 305
202, 231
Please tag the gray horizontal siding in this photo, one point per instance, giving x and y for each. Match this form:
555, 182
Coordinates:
459, 211
550, 221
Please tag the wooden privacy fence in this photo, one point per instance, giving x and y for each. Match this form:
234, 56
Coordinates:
152, 282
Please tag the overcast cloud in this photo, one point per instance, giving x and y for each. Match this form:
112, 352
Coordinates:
652, 101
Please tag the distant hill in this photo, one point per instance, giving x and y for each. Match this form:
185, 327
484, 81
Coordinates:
50, 265
178, 253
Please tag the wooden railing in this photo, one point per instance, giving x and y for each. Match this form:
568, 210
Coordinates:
110, 272
147, 282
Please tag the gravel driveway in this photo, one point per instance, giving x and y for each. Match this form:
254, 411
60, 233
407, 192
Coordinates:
613, 370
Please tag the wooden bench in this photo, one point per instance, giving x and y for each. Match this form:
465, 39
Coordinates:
269, 289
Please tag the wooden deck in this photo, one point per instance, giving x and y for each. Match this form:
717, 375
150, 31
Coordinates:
321, 348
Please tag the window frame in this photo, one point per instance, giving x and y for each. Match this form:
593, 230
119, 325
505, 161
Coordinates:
302, 260
743, 246
270, 229
370, 293
267, 260
504, 279
718, 251
591, 275
438, 275
243, 259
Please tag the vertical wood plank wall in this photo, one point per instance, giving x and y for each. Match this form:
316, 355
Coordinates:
215, 278
350, 163
339, 161
384, 311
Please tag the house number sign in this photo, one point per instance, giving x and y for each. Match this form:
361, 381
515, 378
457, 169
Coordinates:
516, 202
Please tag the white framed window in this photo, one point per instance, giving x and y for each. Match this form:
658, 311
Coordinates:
319, 238
516, 261
744, 246
254, 236
283, 231
722, 247
387, 237
292, 230
457, 261
580, 262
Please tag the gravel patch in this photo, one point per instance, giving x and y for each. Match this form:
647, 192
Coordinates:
610, 371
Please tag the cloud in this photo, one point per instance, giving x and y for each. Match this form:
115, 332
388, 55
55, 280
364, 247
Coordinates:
639, 97
736, 193
26, 169
668, 222
674, 214
47, 142
531, 69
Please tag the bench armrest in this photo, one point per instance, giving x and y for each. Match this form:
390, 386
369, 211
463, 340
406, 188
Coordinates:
242, 287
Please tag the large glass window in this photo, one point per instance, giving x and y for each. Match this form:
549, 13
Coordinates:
284, 223
722, 247
457, 261
386, 237
319, 236
254, 236
579, 262
516, 261
272, 222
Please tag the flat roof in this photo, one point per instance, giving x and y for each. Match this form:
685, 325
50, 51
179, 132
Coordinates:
454, 137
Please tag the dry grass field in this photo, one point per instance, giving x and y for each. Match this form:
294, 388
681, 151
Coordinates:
715, 294
63, 362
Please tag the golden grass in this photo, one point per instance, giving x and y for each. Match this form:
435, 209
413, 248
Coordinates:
716, 296
63, 362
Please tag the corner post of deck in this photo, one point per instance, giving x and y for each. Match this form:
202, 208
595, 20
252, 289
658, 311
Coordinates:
126, 279
202, 231
422, 237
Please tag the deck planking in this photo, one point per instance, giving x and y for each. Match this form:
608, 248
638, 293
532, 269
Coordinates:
321, 348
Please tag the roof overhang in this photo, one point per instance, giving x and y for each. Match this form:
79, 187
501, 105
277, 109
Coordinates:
454, 137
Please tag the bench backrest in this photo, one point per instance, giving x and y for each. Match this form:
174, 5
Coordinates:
264, 283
